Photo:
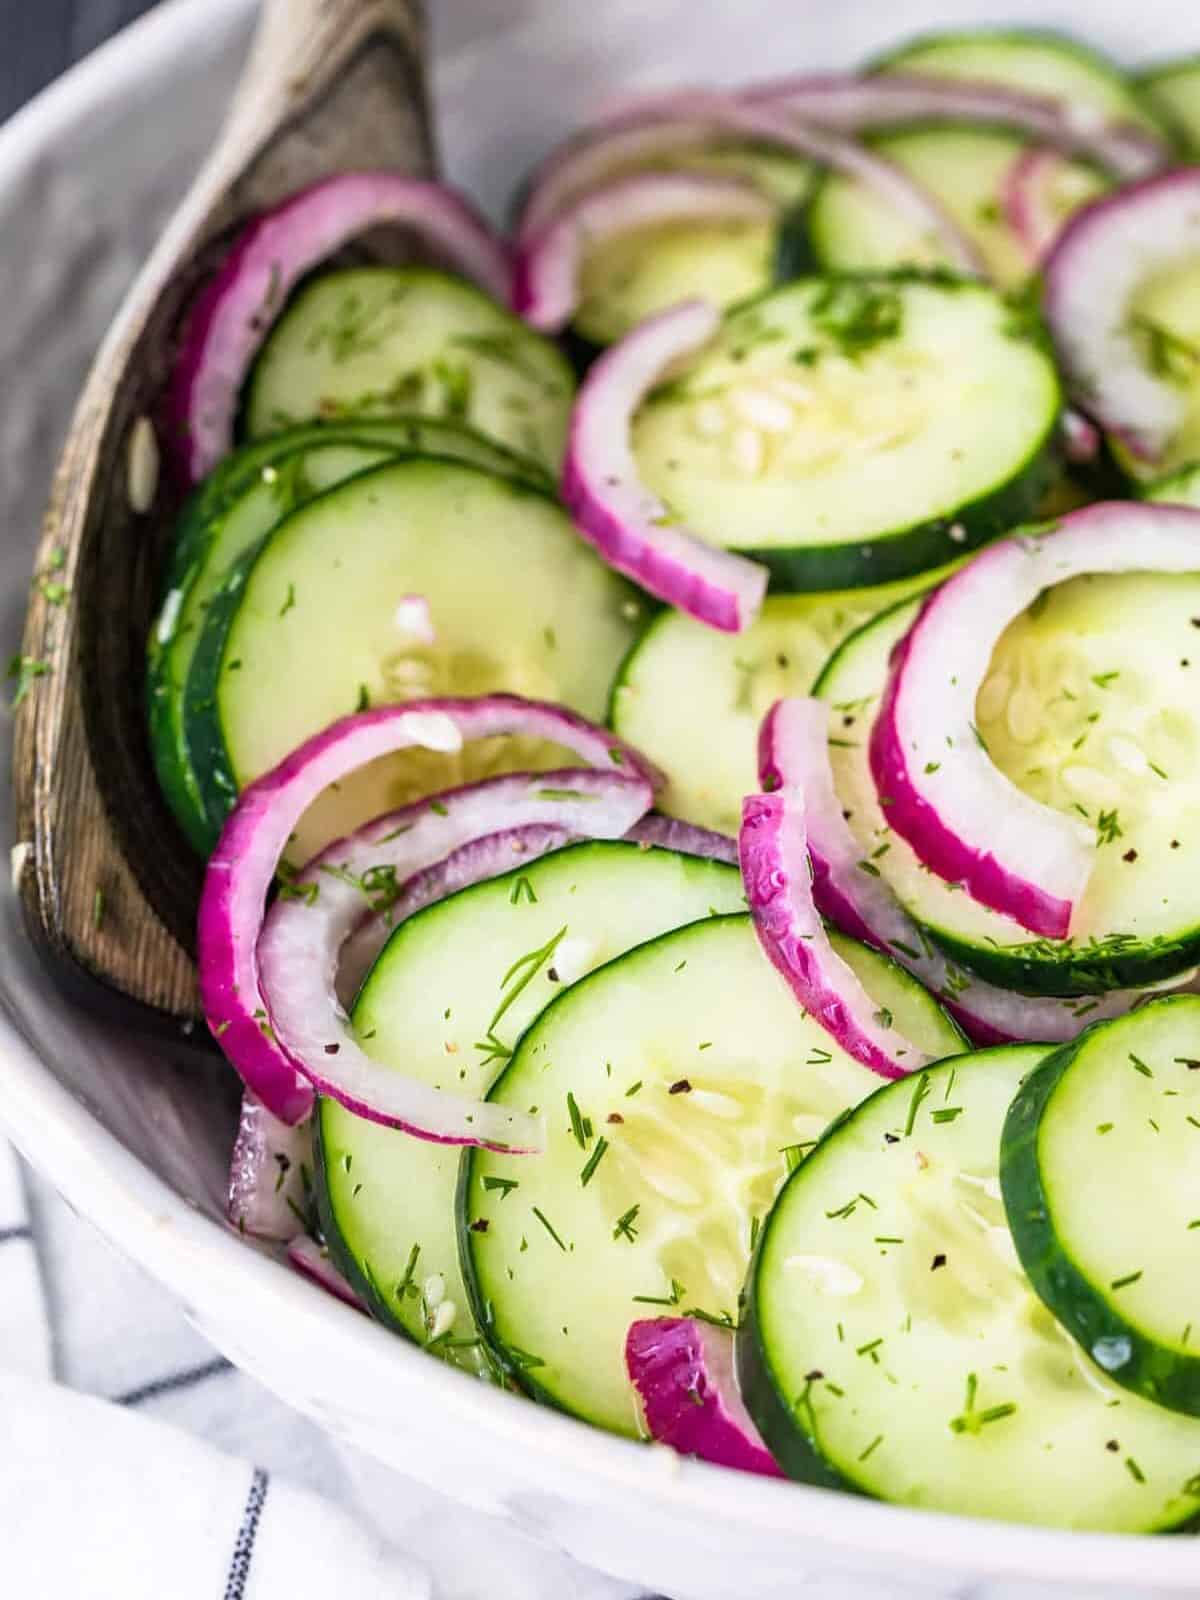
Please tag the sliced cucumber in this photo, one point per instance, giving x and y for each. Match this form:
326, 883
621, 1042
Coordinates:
280, 475
645, 270
305, 628
693, 699
1174, 92
852, 229
1092, 710
678, 1083
893, 1344
453, 988
848, 431
378, 340
1098, 1168
1179, 489
1035, 60
1164, 318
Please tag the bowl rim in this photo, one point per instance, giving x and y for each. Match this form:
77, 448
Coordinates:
200, 1261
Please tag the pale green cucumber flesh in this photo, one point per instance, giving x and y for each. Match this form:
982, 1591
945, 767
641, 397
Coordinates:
894, 1345
835, 431
693, 699
306, 629
448, 997
372, 341
238, 505
1035, 60
852, 229
1097, 1167
690, 1058
1093, 713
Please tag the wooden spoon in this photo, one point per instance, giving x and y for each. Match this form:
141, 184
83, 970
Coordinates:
108, 884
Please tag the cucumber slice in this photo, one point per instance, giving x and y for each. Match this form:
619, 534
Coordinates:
1179, 489
1174, 92
847, 431
648, 269
693, 1063
692, 699
852, 229
1091, 711
1038, 61
1097, 1167
893, 1345
628, 278
378, 340
431, 1003
1164, 317
278, 476
304, 629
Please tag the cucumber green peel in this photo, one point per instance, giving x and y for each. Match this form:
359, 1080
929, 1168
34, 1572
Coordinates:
1097, 1152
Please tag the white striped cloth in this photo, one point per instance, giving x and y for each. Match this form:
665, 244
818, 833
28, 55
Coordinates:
192, 1480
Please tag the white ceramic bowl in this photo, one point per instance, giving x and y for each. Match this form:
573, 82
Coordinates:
137, 1142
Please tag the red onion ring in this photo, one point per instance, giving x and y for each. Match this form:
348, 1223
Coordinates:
773, 847
891, 99
793, 750
230, 317
611, 507
670, 834
546, 281
266, 1188
692, 119
1091, 276
242, 868
312, 1261
682, 1369
961, 815
494, 855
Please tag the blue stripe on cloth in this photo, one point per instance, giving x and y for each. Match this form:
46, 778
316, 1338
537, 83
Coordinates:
243, 1549
22, 1230
173, 1382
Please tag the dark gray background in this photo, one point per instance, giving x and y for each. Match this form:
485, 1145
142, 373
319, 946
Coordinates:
42, 37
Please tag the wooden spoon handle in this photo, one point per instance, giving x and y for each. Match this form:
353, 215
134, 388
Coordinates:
303, 44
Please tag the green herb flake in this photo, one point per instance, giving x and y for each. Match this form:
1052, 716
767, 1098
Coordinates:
504, 1185
920, 1092
549, 1227
626, 1225
1139, 1065
593, 1161
1123, 1283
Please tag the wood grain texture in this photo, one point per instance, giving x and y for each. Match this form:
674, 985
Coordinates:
109, 886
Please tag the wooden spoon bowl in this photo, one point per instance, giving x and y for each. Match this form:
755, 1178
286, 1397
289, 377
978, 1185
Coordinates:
107, 882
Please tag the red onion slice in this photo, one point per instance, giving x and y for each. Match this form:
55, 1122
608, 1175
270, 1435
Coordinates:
692, 119
300, 948
233, 312
546, 287
614, 510
773, 846
267, 1193
682, 1369
1081, 439
1103, 255
793, 750
242, 869
670, 834
312, 1261
961, 815
890, 100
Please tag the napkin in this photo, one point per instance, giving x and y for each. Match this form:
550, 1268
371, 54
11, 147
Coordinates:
124, 1492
